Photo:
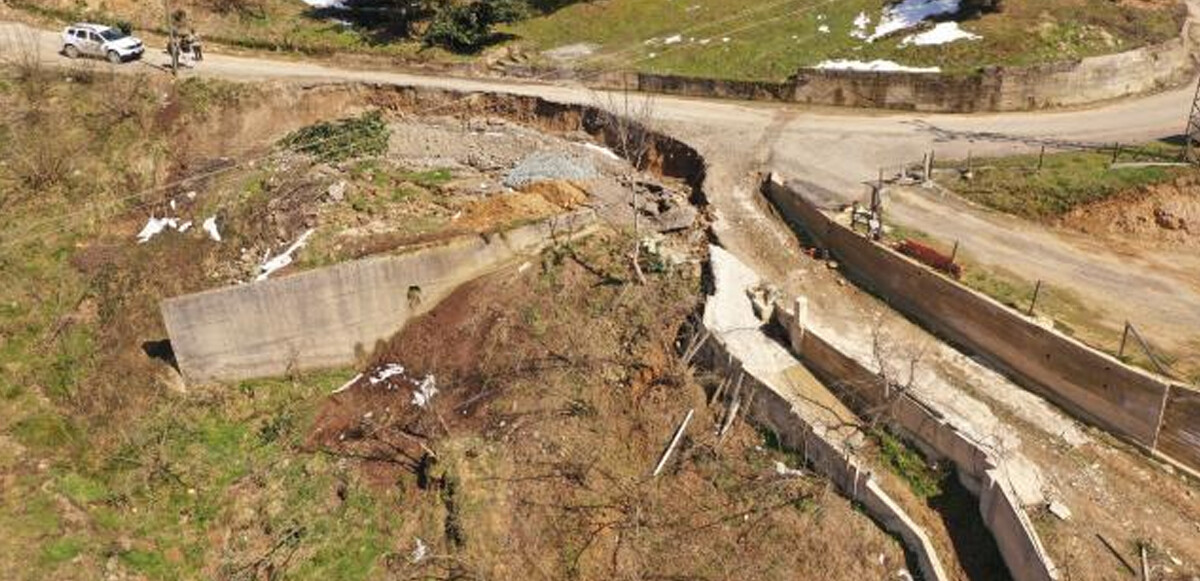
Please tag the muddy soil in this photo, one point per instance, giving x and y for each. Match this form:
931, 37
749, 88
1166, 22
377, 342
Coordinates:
1165, 215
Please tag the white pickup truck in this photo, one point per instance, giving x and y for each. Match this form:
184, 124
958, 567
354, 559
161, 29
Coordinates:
97, 40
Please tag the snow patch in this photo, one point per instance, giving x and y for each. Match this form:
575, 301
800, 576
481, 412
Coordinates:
425, 391
392, 376
389, 371
943, 33
210, 226
285, 258
823, 29
673, 39
420, 551
875, 66
861, 22
154, 226
339, 4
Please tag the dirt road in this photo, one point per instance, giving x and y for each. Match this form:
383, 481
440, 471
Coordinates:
840, 150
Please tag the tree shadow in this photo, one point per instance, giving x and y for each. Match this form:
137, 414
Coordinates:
975, 545
970, 10
387, 21
378, 21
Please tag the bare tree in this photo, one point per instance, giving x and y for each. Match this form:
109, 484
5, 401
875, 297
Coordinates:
627, 126
897, 369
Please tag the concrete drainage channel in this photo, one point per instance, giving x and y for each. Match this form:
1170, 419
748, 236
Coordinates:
335, 315
774, 385
981, 472
760, 371
1155, 413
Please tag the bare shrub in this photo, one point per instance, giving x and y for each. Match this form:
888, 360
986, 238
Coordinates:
42, 152
628, 127
29, 69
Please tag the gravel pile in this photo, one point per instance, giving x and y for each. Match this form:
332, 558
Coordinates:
547, 165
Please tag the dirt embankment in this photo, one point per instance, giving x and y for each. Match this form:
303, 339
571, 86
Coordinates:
1165, 214
557, 388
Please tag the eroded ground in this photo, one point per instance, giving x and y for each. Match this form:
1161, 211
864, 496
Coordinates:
110, 468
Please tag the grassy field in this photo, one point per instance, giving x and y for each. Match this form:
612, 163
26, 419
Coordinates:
770, 39
1066, 180
759, 40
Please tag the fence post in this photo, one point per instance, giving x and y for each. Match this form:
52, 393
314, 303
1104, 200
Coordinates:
1116, 152
1124, 337
954, 252
1041, 159
1036, 289
1146, 348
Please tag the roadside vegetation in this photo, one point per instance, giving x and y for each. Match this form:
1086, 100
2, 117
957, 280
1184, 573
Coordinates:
761, 40
1066, 180
403, 28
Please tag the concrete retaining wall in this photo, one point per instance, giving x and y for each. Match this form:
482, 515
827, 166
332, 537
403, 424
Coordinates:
335, 315
1145, 70
862, 389
1090, 384
772, 411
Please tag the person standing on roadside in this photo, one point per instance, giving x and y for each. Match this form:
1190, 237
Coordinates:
193, 40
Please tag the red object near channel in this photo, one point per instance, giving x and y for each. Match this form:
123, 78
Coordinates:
929, 257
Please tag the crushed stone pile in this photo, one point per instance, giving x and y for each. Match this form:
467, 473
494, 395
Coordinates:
545, 165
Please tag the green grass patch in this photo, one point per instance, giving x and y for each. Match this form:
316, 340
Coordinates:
924, 480
47, 431
202, 96
771, 40
61, 550
430, 178
1067, 180
81, 489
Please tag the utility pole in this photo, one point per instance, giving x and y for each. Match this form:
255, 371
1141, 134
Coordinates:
172, 43
1192, 133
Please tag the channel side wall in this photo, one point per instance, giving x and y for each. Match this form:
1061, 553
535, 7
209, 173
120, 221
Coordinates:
335, 315
772, 411
862, 389
1090, 384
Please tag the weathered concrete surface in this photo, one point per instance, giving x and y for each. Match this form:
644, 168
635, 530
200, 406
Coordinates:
1090, 384
1179, 438
335, 315
786, 399
994, 476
